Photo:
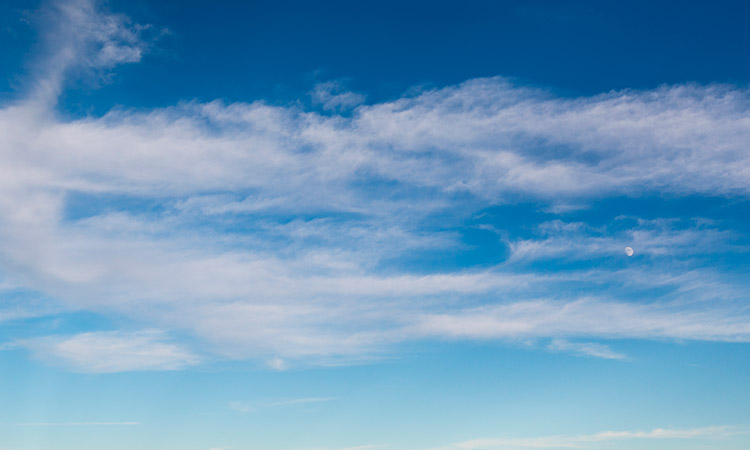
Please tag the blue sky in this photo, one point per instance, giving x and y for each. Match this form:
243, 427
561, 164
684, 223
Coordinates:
360, 225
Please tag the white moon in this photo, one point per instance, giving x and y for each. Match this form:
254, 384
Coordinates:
629, 251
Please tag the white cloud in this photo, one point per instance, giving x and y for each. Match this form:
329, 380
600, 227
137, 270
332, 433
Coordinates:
277, 363
17, 306
81, 36
104, 352
333, 96
467, 138
585, 348
588, 317
661, 237
325, 204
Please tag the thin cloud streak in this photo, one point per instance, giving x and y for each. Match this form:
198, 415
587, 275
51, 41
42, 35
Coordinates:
587, 317
106, 352
592, 349
584, 441
72, 424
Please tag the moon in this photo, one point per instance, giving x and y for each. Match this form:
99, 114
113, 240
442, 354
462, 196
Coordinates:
629, 251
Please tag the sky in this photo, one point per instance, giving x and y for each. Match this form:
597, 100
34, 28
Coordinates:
374, 225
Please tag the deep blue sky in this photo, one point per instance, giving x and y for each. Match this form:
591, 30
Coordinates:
243, 51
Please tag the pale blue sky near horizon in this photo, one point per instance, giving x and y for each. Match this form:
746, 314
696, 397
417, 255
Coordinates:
359, 225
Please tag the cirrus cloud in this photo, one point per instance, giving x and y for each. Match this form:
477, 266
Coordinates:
271, 232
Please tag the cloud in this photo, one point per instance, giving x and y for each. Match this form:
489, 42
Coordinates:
19, 304
587, 317
74, 424
81, 36
282, 234
469, 138
277, 363
332, 96
585, 348
105, 352
583, 441
557, 239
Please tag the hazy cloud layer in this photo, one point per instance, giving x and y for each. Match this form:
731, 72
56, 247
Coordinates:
269, 231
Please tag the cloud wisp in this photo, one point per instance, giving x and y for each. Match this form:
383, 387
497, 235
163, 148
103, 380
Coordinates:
593, 349
73, 424
82, 38
586, 440
106, 352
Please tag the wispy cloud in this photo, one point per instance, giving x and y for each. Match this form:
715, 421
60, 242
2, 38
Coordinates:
655, 238
584, 441
82, 36
585, 348
102, 352
333, 96
73, 424
329, 204
587, 317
